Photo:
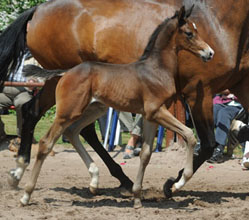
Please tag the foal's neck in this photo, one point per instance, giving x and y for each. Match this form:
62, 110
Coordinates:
164, 56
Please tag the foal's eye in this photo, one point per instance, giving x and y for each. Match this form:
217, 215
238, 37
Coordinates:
189, 34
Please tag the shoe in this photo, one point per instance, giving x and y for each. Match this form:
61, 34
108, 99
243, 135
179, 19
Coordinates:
217, 156
245, 161
65, 140
137, 151
129, 152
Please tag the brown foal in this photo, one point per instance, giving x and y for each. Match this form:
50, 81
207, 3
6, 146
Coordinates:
147, 86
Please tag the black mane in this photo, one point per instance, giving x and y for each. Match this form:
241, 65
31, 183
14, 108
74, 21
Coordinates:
154, 36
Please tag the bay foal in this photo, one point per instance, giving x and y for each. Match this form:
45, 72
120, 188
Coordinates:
146, 87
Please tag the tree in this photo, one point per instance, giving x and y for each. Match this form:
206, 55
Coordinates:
10, 9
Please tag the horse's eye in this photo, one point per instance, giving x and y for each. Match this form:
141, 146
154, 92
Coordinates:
189, 34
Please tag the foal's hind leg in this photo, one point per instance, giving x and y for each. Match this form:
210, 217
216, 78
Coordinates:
167, 120
45, 146
94, 111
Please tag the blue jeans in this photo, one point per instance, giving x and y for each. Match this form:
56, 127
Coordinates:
223, 116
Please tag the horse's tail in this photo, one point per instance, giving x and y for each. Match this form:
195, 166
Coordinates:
13, 44
33, 70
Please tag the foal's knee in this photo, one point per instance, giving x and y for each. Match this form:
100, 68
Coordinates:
190, 138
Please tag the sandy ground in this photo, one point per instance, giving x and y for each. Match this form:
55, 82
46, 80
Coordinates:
215, 191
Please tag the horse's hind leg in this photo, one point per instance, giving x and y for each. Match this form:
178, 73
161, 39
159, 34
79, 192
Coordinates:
32, 112
90, 136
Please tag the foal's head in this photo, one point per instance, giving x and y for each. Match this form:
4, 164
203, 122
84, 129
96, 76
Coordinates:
187, 36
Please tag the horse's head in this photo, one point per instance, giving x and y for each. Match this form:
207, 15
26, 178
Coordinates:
187, 36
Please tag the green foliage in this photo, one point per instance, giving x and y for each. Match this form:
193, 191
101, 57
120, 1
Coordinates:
10, 9
50, 114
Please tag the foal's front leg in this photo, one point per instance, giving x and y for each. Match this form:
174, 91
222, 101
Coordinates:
167, 120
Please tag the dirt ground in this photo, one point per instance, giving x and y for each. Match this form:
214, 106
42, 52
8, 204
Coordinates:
215, 191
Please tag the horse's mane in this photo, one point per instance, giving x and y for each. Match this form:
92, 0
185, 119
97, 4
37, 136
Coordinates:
154, 36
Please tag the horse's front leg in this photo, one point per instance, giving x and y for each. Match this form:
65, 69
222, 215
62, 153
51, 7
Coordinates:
149, 132
202, 112
32, 112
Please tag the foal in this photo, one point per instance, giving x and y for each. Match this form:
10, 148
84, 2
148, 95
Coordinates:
147, 86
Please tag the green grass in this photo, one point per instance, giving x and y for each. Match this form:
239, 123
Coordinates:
45, 123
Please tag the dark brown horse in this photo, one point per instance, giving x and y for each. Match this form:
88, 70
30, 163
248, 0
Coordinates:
147, 87
116, 32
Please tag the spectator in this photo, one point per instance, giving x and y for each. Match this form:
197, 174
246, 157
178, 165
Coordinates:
15, 96
225, 109
134, 144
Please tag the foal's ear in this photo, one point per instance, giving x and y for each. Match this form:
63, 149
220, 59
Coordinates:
181, 16
189, 11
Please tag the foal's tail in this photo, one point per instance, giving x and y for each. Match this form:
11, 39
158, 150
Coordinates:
13, 44
33, 70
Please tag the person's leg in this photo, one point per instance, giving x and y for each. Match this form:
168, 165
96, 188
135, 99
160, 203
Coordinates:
137, 133
127, 119
102, 125
23, 97
6, 100
223, 123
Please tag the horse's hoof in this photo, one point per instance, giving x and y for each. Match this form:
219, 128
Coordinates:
25, 199
137, 203
93, 190
167, 187
12, 180
126, 192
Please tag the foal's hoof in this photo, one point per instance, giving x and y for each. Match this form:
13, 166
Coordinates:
167, 187
25, 199
93, 190
137, 203
12, 180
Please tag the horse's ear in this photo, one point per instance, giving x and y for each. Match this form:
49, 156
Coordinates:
181, 16
189, 11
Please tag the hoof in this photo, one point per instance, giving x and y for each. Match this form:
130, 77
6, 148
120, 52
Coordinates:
167, 188
93, 190
12, 180
137, 203
125, 192
127, 185
25, 199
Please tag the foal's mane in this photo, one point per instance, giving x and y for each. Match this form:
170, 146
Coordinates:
154, 36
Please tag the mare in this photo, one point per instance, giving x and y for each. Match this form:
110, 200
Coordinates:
147, 87
115, 32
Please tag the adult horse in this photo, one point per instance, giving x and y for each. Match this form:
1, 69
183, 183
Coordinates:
146, 87
115, 32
